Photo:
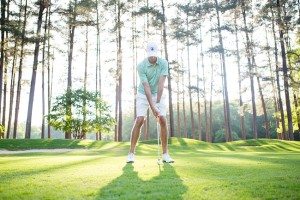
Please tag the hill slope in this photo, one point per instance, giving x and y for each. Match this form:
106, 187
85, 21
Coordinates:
261, 145
254, 169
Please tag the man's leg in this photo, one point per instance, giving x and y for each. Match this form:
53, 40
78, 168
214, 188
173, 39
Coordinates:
135, 132
164, 133
164, 140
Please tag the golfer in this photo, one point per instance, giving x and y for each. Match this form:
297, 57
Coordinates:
152, 73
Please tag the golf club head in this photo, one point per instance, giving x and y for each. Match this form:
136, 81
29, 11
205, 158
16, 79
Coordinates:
159, 162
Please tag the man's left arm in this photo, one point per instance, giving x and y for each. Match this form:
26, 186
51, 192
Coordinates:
161, 83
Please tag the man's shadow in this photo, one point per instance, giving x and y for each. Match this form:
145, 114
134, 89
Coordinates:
166, 185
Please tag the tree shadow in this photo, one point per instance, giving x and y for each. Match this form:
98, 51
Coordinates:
166, 185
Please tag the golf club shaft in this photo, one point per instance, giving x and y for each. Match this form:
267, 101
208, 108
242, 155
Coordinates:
158, 138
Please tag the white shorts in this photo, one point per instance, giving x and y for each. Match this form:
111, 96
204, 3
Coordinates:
142, 104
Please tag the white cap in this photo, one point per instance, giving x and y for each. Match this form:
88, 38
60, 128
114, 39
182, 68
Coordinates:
152, 49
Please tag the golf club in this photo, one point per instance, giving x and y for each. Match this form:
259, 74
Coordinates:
159, 160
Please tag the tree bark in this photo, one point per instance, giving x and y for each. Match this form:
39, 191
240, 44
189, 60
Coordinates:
72, 26
225, 89
209, 136
49, 72
183, 105
5, 70
207, 133
134, 60
2, 48
250, 69
189, 80
12, 80
273, 84
120, 75
20, 72
198, 89
280, 104
178, 98
241, 103
266, 122
43, 75
12, 88
33, 77
84, 131
98, 64
169, 77
285, 73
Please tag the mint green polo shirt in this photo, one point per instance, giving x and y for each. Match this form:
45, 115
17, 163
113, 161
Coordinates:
150, 73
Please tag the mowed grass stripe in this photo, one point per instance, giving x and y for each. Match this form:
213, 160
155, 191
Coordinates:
97, 170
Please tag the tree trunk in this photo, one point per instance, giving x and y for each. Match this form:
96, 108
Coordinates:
297, 111
12, 88
5, 70
273, 84
2, 48
33, 77
178, 93
12, 81
209, 134
116, 112
291, 71
198, 92
241, 103
134, 60
50, 80
119, 71
223, 67
43, 76
250, 68
178, 107
285, 73
169, 77
189, 80
72, 20
98, 64
266, 122
183, 105
20, 72
210, 131
84, 131
280, 104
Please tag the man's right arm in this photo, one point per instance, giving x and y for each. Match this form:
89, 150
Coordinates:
149, 98
144, 81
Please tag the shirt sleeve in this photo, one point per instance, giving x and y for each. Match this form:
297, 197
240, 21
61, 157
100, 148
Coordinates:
165, 68
142, 74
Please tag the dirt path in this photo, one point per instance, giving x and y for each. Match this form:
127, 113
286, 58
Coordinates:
36, 151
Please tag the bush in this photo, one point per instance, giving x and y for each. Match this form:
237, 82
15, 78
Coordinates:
80, 112
220, 136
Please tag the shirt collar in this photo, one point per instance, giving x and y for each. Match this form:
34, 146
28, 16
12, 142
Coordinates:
149, 64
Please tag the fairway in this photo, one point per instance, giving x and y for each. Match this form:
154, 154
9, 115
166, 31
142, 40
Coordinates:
254, 169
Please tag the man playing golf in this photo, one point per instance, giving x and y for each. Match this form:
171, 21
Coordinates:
152, 73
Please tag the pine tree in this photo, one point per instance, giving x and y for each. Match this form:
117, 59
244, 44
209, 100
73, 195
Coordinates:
42, 5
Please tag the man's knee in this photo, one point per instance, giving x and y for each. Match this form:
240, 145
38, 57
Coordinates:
163, 121
139, 121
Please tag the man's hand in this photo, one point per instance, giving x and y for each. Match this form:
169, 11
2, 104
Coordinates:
155, 110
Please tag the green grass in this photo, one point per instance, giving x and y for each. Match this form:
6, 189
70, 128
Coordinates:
253, 169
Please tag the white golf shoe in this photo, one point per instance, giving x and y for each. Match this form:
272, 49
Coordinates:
130, 158
166, 158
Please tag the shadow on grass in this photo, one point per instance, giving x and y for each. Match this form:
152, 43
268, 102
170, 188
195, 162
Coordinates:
24, 144
47, 169
166, 185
